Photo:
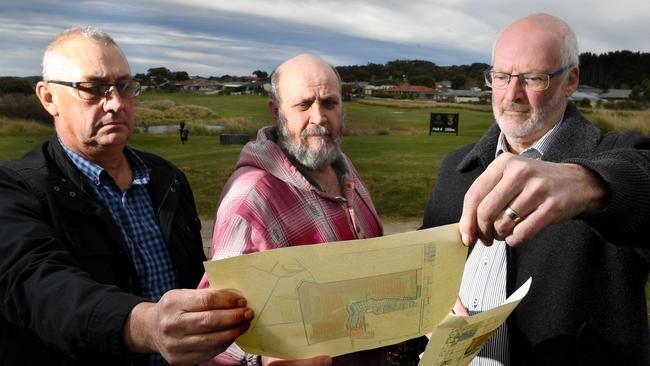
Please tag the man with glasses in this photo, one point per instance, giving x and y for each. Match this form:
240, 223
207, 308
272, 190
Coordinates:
99, 239
544, 194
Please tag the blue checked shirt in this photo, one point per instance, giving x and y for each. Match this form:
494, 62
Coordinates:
132, 210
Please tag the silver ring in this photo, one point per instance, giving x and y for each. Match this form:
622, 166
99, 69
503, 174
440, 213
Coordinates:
513, 215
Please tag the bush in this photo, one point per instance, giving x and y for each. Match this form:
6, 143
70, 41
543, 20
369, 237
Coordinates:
159, 105
23, 107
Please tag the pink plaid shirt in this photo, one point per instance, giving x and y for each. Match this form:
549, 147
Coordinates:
267, 203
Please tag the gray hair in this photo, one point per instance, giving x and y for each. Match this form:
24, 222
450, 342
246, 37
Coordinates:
568, 49
51, 59
274, 93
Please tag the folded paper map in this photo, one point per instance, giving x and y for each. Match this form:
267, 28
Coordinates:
346, 296
458, 339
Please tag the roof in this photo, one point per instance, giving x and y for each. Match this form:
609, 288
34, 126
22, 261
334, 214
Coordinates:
616, 94
410, 89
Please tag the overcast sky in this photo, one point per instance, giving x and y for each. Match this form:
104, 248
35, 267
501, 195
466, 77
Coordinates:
236, 37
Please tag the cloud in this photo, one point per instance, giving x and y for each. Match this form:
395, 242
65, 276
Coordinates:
237, 37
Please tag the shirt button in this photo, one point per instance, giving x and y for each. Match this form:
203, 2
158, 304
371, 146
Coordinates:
486, 260
56, 188
475, 303
72, 194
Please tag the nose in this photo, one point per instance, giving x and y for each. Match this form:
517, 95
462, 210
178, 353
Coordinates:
316, 114
113, 101
515, 90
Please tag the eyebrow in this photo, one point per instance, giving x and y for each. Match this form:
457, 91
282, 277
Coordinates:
105, 79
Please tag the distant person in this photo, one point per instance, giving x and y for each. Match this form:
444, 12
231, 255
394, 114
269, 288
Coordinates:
548, 196
184, 132
97, 237
294, 185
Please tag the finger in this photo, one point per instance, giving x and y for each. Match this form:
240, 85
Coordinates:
205, 343
314, 361
473, 199
212, 321
192, 358
459, 308
528, 228
202, 299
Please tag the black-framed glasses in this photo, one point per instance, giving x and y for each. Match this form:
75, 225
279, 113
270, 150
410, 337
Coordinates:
531, 81
92, 90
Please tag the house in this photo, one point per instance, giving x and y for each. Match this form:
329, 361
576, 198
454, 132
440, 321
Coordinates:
475, 95
583, 98
422, 92
616, 94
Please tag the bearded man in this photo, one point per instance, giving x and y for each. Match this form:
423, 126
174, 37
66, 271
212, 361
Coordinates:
293, 185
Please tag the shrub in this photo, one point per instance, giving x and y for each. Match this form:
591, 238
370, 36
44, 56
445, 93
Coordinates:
23, 107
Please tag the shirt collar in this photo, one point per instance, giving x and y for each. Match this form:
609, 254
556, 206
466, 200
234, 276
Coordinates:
538, 149
93, 172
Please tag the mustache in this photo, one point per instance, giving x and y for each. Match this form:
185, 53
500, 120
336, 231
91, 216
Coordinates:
514, 107
316, 131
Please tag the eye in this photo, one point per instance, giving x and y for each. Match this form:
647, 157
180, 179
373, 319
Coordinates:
304, 106
535, 78
97, 89
499, 76
330, 104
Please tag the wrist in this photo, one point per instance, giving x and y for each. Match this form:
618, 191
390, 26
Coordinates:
137, 329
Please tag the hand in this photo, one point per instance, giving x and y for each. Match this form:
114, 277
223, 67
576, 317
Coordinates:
187, 326
459, 309
314, 361
540, 193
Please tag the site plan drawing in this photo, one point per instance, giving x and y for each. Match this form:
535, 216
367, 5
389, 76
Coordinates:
347, 296
458, 339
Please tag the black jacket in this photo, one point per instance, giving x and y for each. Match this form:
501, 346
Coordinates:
586, 304
67, 281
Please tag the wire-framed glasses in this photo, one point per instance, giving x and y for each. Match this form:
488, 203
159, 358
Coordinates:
92, 90
530, 81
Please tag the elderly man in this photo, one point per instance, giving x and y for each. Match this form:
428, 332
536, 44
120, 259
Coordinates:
554, 199
97, 237
293, 185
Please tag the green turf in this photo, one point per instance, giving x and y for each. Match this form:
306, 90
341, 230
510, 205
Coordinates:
399, 169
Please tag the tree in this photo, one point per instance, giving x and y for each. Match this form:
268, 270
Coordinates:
14, 85
261, 74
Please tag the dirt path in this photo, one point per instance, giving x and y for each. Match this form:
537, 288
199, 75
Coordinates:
392, 227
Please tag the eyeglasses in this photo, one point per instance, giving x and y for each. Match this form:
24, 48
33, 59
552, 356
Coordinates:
91, 90
530, 81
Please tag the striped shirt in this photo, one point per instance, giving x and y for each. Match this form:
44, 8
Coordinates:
483, 286
133, 211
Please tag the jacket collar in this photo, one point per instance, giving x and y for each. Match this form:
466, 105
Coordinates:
576, 137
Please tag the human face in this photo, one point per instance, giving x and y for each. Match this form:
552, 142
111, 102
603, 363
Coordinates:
90, 128
524, 116
310, 115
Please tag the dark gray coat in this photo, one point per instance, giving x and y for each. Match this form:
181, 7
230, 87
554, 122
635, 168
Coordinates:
587, 302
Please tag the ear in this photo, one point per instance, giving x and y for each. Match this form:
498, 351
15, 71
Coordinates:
572, 83
273, 108
46, 97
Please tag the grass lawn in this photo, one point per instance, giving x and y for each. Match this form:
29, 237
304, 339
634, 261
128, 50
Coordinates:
399, 167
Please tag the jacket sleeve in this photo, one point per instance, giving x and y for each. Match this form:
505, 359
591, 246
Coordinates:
42, 287
624, 166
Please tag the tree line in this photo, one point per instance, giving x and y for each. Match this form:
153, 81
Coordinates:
611, 70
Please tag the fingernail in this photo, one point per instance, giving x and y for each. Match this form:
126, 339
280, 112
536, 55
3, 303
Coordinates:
241, 303
465, 239
248, 314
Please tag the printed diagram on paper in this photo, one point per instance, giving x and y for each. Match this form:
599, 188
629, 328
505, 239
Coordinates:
458, 339
342, 297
